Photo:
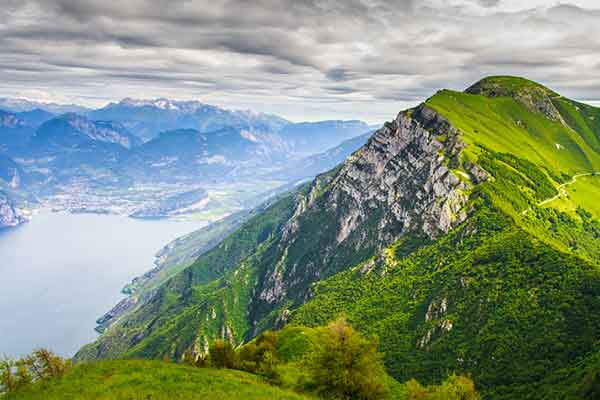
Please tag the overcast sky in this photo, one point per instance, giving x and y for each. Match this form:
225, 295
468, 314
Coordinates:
302, 59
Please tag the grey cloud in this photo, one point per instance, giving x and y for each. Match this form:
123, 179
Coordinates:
488, 3
297, 57
340, 89
339, 74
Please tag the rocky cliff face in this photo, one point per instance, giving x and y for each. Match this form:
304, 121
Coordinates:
404, 171
400, 182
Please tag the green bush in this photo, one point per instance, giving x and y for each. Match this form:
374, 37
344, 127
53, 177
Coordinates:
41, 364
347, 366
261, 356
222, 355
454, 388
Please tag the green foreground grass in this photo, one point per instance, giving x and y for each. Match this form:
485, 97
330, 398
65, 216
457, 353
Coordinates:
156, 380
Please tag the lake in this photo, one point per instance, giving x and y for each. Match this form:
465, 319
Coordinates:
61, 271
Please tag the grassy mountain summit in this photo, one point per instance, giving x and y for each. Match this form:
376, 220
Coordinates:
519, 117
462, 234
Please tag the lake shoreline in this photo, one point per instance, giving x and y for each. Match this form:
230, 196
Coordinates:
62, 270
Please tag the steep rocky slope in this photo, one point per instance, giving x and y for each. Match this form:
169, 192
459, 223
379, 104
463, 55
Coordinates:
398, 183
437, 236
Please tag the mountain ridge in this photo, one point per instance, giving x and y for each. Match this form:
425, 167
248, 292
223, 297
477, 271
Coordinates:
24, 105
416, 227
55, 130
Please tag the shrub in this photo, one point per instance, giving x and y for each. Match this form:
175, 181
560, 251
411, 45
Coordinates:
194, 360
41, 364
247, 357
8, 381
346, 365
453, 388
415, 391
261, 356
222, 355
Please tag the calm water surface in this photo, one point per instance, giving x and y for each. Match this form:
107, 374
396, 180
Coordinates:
60, 272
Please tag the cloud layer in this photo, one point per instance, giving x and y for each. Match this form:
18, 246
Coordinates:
304, 59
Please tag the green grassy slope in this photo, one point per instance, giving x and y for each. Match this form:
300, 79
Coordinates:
583, 118
183, 251
584, 192
143, 380
505, 125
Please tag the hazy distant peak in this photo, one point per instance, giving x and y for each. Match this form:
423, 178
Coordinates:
193, 106
22, 105
163, 104
67, 126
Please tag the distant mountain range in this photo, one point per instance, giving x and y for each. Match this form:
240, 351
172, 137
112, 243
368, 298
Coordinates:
17, 128
315, 164
22, 105
190, 154
147, 118
163, 141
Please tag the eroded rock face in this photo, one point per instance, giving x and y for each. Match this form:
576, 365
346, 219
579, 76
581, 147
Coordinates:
400, 182
403, 171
